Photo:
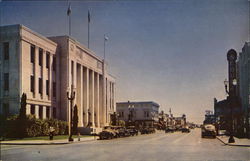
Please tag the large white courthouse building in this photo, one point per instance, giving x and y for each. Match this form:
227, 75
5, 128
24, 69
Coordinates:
45, 69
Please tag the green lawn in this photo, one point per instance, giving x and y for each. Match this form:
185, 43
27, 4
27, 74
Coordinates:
58, 137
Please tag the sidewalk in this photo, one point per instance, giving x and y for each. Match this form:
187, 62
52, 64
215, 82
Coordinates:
238, 142
47, 142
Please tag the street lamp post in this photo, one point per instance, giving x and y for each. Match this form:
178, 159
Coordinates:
231, 104
70, 97
118, 115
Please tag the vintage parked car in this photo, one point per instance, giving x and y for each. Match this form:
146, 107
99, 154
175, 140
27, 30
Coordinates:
109, 132
132, 130
185, 129
208, 130
151, 130
147, 130
122, 131
169, 129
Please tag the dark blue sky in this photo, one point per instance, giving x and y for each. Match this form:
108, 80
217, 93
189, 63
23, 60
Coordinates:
172, 52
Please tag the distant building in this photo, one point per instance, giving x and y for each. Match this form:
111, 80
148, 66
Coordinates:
142, 114
221, 114
163, 120
46, 69
180, 121
244, 86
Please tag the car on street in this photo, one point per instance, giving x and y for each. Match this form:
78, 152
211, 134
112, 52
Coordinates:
147, 130
208, 130
122, 131
185, 130
132, 130
109, 132
169, 129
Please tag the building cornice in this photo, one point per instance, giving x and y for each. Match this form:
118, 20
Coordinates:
37, 34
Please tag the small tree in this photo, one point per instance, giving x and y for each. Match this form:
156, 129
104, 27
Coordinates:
22, 117
75, 120
22, 112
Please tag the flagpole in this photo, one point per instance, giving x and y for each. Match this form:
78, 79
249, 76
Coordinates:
69, 14
105, 39
88, 26
70, 25
104, 48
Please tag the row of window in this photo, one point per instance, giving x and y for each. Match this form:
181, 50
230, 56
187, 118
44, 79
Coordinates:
40, 84
32, 85
40, 57
40, 111
6, 47
6, 112
146, 114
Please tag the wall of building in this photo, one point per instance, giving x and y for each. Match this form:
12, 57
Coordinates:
21, 69
244, 78
62, 64
9, 99
83, 72
140, 111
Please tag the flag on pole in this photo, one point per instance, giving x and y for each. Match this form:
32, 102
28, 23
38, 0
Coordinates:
106, 38
88, 16
69, 10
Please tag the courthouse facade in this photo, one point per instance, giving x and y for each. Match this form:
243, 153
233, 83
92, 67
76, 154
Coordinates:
46, 69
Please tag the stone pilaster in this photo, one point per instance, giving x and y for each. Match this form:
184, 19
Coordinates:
91, 98
79, 90
97, 117
86, 96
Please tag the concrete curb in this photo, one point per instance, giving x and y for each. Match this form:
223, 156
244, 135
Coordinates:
229, 144
221, 140
35, 143
47, 143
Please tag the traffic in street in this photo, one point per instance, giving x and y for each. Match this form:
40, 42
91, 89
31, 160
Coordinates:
151, 147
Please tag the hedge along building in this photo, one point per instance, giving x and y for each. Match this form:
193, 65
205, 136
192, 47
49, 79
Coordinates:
45, 69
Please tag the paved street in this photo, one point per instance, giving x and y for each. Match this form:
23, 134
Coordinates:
152, 147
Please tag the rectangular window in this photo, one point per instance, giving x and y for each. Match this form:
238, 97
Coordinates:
6, 81
47, 87
54, 112
47, 112
32, 53
6, 111
32, 109
6, 50
54, 63
121, 114
40, 57
47, 59
54, 89
40, 112
32, 83
40, 85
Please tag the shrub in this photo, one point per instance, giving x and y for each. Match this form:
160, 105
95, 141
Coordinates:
33, 127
